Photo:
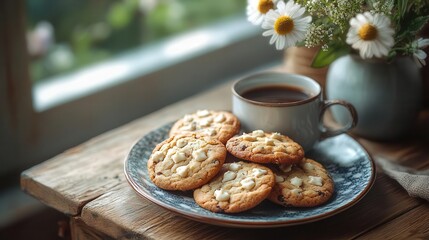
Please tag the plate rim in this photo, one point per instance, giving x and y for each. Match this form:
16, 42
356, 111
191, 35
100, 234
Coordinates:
250, 224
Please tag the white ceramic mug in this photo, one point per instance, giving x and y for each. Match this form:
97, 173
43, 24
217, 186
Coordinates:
300, 120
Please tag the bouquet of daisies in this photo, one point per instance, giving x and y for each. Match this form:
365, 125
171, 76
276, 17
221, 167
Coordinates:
373, 28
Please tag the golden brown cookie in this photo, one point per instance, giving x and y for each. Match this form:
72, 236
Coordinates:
306, 184
185, 162
217, 124
262, 147
238, 187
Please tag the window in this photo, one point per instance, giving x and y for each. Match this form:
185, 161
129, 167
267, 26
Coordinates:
110, 84
70, 34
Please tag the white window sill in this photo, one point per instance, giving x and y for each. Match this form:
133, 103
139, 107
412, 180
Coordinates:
140, 62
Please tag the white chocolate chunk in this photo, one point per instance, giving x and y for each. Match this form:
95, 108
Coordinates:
199, 155
285, 167
277, 136
315, 180
187, 149
182, 171
171, 152
279, 148
258, 149
179, 157
206, 122
203, 113
279, 179
258, 133
249, 138
197, 144
194, 165
188, 118
181, 143
219, 118
210, 132
257, 172
234, 166
296, 181
309, 166
296, 191
158, 156
248, 183
269, 142
257, 143
221, 195
228, 175
167, 163
190, 127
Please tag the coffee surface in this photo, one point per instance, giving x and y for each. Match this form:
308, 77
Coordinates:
275, 94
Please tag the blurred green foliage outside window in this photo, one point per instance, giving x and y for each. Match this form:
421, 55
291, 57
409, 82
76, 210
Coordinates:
64, 35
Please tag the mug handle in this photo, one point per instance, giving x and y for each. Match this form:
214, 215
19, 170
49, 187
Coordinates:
327, 132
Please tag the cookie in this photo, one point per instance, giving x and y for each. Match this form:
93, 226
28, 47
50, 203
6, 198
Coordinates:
306, 184
185, 162
262, 147
239, 186
217, 124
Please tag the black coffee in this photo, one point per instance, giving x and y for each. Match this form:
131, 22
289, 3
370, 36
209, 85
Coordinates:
275, 94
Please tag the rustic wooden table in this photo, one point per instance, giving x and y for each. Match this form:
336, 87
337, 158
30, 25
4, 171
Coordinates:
87, 183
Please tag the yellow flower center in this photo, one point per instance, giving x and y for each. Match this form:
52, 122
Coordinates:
368, 32
265, 5
284, 25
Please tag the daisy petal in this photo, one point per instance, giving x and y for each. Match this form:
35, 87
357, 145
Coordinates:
274, 38
279, 45
422, 43
268, 33
420, 54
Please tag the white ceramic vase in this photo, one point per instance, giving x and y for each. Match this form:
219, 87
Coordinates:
387, 96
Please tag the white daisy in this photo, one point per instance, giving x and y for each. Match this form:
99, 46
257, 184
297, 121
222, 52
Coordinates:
286, 25
419, 54
371, 34
256, 10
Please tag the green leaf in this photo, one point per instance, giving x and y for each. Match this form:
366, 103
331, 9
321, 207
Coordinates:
413, 27
417, 24
402, 7
324, 58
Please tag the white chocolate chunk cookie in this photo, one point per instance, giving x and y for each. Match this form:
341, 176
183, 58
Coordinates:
186, 162
217, 124
238, 187
261, 147
307, 184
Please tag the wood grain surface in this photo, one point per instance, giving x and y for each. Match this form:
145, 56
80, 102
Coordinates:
87, 183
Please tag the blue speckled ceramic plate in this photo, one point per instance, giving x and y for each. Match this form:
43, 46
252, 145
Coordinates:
350, 166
